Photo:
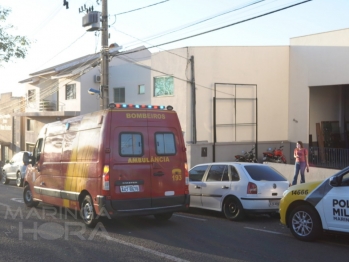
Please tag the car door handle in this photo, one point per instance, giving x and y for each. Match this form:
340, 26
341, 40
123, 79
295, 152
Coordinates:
225, 187
159, 173
42, 183
197, 187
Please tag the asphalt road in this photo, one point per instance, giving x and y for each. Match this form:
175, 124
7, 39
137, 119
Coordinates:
46, 233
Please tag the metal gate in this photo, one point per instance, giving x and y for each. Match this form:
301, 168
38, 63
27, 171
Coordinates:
234, 114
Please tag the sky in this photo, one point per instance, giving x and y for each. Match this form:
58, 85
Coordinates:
57, 34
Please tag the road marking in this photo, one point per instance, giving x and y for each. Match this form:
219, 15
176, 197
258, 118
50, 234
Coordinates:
190, 217
19, 200
148, 250
1, 204
267, 231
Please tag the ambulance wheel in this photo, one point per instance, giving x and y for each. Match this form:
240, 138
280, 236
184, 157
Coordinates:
163, 216
233, 209
87, 212
305, 223
28, 197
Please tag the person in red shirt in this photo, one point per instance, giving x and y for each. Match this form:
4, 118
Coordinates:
301, 155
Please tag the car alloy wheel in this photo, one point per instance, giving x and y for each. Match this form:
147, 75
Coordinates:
305, 223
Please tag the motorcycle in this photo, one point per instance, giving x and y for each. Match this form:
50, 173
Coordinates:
275, 156
247, 157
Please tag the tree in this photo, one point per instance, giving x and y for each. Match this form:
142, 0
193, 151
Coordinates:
11, 46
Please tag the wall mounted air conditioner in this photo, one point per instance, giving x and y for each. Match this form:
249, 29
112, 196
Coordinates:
97, 78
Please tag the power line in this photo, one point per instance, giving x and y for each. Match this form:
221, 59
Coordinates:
125, 53
64, 48
147, 43
219, 28
47, 20
216, 29
205, 20
53, 88
130, 60
141, 8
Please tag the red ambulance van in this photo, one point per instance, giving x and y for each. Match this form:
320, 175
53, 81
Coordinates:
125, 160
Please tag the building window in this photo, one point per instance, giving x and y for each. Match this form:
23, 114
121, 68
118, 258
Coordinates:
119, 95
141, 89
31, 95
30, 125
29, 147
163, 86
70, 92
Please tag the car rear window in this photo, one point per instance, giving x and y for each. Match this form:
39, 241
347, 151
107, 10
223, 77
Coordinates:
264, 173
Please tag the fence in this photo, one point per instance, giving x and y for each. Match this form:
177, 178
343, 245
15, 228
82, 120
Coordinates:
337, 158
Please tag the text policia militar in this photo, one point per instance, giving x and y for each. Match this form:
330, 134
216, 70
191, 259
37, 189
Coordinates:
340, 210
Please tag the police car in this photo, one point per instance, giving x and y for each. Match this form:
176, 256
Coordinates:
309, 209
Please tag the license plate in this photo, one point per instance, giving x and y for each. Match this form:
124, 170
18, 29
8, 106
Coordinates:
274, 203
129, 189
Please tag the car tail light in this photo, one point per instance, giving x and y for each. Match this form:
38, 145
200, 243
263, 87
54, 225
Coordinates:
252, 188
105, 179
186, 173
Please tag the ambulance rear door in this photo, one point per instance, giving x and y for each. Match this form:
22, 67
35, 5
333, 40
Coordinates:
130, 168
167, 174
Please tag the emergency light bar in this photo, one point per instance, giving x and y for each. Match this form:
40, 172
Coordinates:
113, 105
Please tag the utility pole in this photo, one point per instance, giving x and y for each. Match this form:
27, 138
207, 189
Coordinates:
104, 92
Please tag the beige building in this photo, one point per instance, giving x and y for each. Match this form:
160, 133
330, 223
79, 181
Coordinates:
319, 86
263, 95
228, 98
10, 126
250, 86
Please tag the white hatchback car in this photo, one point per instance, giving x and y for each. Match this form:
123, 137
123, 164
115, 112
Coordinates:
236, 188
14, 169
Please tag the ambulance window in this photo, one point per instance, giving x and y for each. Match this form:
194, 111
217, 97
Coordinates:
70, 141
88, 148
131, 144
165, 144
37, 149
53, 148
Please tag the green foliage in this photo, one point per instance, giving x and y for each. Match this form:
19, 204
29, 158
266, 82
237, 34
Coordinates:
11, 46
